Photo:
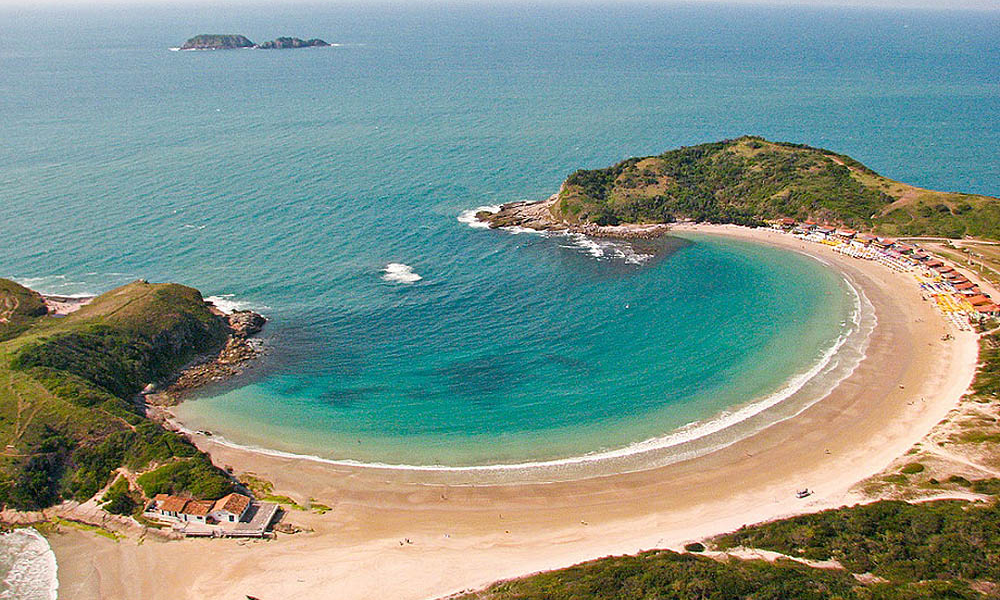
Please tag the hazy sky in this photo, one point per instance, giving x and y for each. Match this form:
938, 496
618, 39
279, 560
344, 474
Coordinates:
929, 4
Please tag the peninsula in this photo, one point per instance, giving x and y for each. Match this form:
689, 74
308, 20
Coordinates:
747, 181
234, 41
74, 392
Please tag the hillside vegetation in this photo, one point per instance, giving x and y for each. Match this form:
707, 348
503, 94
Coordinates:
888, 551
18, 307
67, 417
749, 180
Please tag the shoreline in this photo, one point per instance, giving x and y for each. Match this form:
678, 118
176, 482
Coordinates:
467, 537
537, 215
691, 440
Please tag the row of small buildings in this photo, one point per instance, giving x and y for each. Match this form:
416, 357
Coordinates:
900, 253
233, 515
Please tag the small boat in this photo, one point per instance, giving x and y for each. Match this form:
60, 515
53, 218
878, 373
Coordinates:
803, 493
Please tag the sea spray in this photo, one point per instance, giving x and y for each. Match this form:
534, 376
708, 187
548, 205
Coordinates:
27, 566
400, 273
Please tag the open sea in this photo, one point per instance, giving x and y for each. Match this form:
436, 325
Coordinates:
330, 189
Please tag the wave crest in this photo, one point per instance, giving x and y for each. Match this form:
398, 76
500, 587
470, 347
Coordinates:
400, 273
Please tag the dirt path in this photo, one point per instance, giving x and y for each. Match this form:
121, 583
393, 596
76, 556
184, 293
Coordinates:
10, 305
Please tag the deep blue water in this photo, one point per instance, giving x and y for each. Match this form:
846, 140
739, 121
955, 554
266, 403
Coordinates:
292, 178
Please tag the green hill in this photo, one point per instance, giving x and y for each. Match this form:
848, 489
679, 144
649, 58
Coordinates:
18, 306
749, 180
67, 416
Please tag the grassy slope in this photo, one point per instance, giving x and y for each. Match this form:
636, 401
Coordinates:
66, 416
750, 179
18, 307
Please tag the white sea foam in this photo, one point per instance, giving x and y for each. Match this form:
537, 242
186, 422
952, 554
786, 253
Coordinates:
58, 285
599, 248
400, 273
605, 249
28, 566
469, 216
228, 304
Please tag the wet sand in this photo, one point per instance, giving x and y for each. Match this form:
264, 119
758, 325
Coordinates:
466, 537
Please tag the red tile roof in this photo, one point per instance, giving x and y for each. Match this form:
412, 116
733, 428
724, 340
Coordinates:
978, 300
197, 509
234, 503
172, 504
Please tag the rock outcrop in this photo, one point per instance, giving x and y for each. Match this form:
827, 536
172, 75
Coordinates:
283, 43
539, 216
217, 41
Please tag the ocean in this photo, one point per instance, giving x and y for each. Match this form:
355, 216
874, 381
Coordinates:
330, 188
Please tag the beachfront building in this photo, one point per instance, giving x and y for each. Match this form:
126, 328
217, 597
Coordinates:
230, 508
176, 508
865, 239
233, 515
845, 235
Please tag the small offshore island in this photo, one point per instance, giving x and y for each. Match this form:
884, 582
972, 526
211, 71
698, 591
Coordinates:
217, 41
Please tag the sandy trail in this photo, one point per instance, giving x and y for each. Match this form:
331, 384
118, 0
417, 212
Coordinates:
465, 537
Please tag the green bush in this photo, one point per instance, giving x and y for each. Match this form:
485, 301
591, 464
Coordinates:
898, 541
119, 500
912, 468
196, 476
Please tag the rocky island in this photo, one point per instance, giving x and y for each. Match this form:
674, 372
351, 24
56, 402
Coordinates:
217, 41
291, 42
748, 181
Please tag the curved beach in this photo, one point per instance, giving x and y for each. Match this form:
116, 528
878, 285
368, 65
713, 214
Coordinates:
464, 537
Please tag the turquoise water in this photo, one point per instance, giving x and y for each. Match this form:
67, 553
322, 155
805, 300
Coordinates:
290, 180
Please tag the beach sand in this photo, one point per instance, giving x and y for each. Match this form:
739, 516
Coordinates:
467, 537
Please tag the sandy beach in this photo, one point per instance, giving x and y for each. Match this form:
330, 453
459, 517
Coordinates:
396, 535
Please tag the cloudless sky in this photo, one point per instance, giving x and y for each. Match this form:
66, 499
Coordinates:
927, 4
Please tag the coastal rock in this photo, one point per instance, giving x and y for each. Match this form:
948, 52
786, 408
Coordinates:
215, 41
283, 43
538, 215
238, 350
245, 323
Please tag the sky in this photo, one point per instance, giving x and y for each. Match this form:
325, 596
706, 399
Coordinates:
914, 4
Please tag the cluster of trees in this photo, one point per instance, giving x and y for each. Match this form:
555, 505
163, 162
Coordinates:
744, 181
900, 542
750, 180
